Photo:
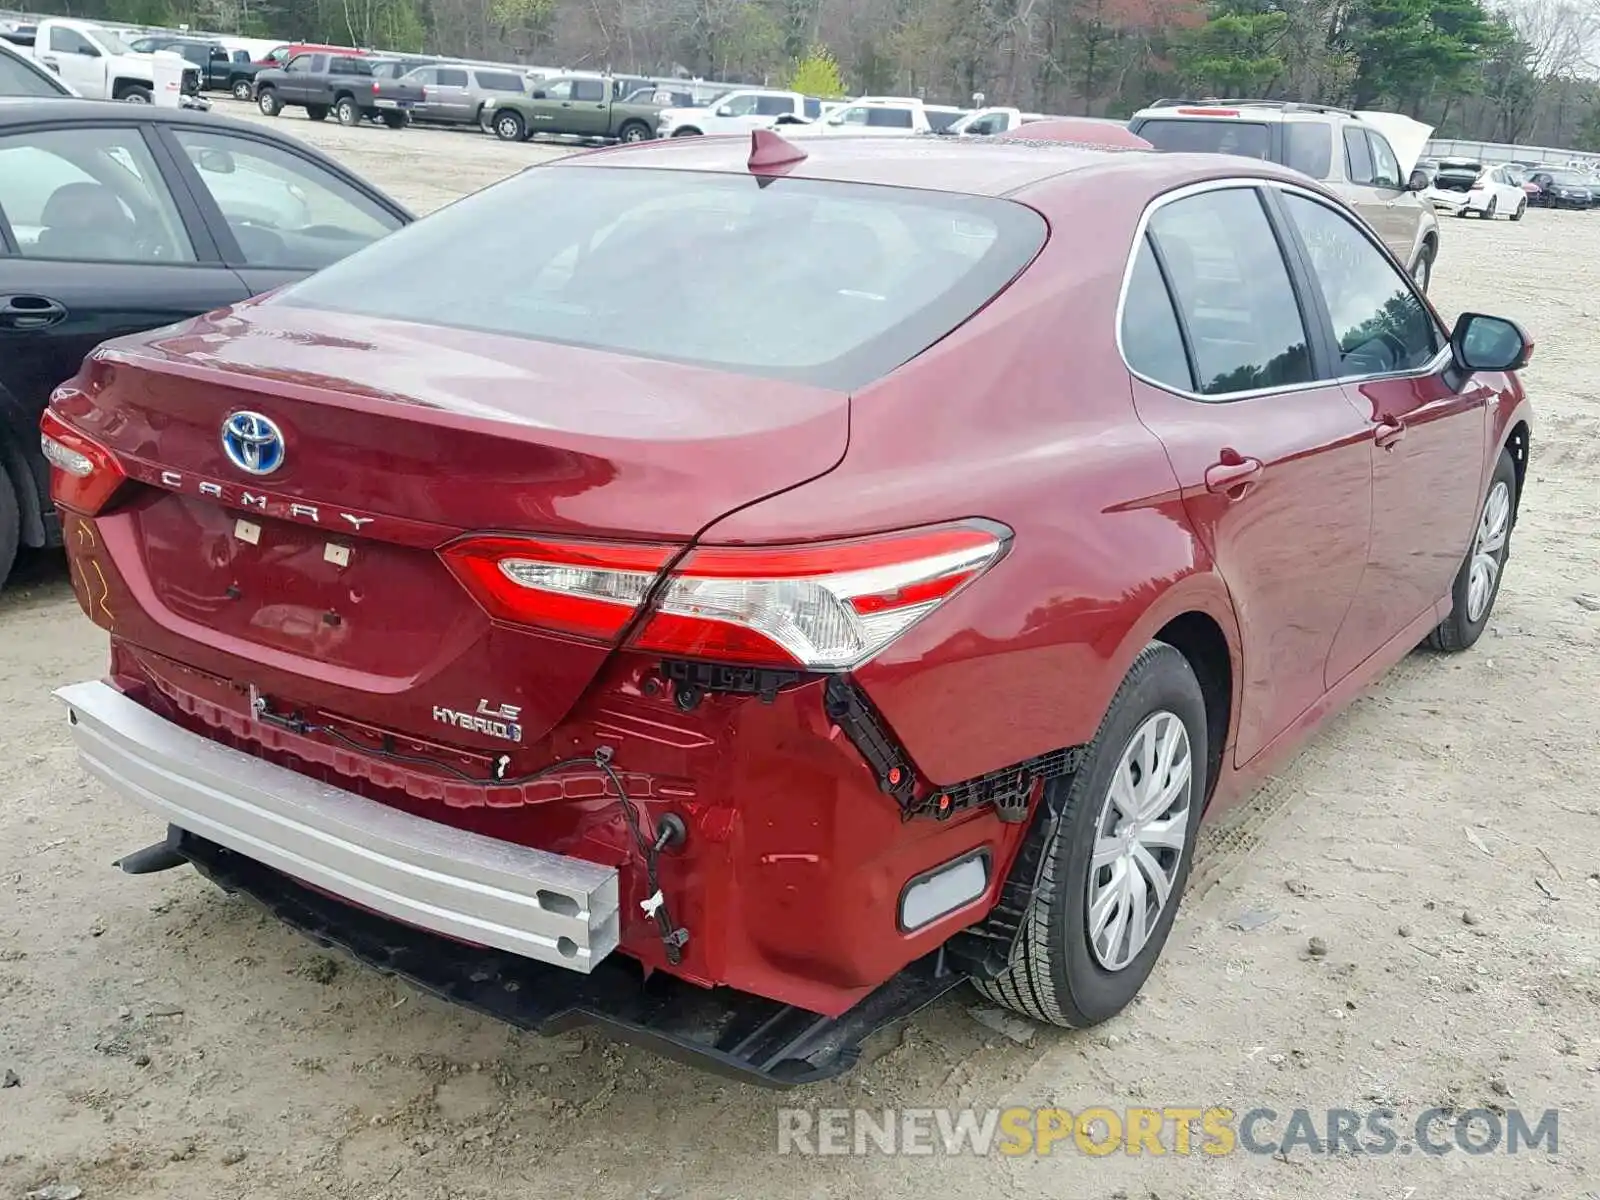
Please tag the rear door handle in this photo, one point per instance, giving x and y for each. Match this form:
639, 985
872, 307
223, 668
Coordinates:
30, 312
1388, 433
1235, 476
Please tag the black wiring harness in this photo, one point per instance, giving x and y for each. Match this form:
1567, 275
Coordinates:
671, 830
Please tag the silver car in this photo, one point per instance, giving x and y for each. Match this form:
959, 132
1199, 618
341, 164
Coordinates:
462, 95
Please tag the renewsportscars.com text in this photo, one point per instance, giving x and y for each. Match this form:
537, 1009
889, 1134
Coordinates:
1212, 1131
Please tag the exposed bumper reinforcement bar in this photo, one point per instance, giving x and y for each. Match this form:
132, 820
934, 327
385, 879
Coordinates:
475, 889
758, 1041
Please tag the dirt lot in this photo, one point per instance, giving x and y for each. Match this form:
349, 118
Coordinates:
1440, 838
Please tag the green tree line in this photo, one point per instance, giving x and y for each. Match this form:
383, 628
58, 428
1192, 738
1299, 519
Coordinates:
1523, 72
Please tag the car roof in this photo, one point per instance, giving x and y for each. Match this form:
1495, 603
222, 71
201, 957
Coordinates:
27, 110
980, 166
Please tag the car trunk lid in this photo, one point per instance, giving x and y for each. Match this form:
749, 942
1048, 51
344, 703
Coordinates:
318, 582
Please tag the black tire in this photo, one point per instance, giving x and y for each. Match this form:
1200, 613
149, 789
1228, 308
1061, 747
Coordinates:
1422, 269
634, 131
508, 126
1058, 977
268, 102
395, 120
1460, 630
1488, 213
316, 112
10, 525
241, 89
687, 131
135, 93
1521, 208
345, 109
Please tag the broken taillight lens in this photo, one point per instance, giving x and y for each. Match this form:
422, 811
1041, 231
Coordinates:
84, 475
823, 607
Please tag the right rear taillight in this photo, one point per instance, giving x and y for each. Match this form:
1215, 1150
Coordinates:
827, 606
84, 475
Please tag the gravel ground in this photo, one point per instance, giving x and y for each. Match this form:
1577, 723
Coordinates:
1439, 838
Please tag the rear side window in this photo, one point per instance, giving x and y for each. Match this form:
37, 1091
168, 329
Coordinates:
1232, 287
773, 106
593, 90
889, 118
818, 282
499, 81
1308, 147
450, 77
813, 108
1151, 342
1357, 155
1247, 139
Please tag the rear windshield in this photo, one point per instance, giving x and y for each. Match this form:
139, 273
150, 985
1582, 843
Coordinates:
818, 282
1193, 135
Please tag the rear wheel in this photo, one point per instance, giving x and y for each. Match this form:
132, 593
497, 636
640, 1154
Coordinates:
268, 102
10, 524
1488, 213
345, 109
1115, 873
1477, 584
508, 126
134, 93
241, 89
1521, 208
633, 131
316, 112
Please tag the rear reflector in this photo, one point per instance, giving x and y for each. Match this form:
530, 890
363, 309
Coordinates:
84, 475
823, 607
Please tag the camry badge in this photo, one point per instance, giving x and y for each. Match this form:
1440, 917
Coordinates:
252, 442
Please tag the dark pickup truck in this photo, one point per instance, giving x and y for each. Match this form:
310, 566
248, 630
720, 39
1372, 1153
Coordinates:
347, 85
220, 70
579, 107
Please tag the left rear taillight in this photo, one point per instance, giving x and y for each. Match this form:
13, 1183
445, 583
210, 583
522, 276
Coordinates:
84, 475
828, 606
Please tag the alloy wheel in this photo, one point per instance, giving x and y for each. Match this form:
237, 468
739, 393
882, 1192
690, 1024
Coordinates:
1487, 547
1139, 840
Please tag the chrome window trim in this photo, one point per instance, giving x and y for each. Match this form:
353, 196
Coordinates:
1437, 364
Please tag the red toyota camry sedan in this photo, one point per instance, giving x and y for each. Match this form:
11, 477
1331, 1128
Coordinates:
882, 609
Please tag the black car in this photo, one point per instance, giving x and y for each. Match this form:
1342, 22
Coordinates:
1563, 189
116, 218
220, 70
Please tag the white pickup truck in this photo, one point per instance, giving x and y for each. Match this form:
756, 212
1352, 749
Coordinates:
738, 112
878, 116
99, 65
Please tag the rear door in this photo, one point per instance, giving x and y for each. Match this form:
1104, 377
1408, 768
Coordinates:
1401, 213
94, 243
455, 101
589, 111
1272, 457
1426, 439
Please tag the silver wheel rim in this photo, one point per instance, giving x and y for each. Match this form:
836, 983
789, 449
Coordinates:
1139, 840
134, 98
508, 127
1487, 548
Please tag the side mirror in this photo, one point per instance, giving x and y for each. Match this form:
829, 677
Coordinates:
1418, 182
539, 94
217, 162
724, 110
1485, 343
